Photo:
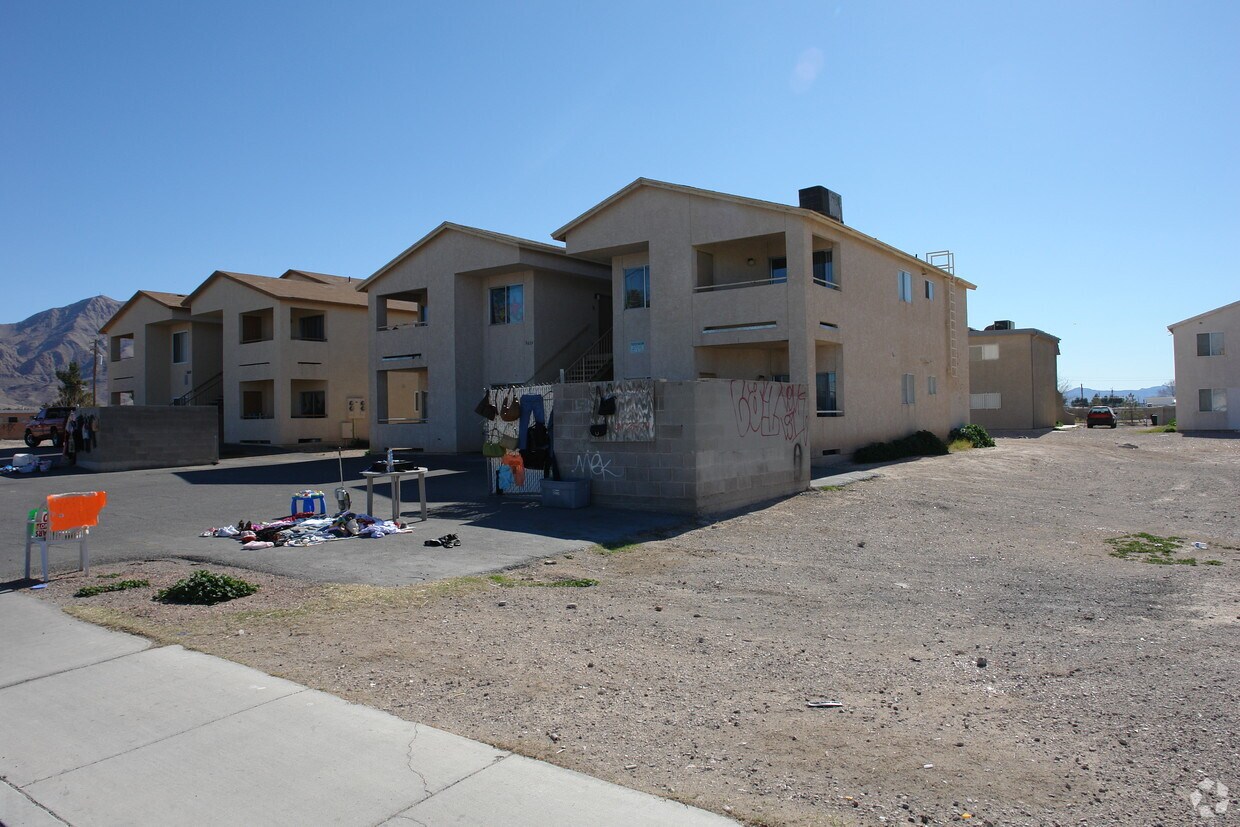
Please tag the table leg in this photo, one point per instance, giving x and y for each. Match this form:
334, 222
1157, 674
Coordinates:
370, 495
395, 497
422, 493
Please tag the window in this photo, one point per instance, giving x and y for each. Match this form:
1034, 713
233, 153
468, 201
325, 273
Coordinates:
907, 389
828, 402
252, 405
251, 328
180, 347
636, 287
824, 269
779, 270
984, 401
983, 353
932, 385
1209, 344
508, 304
1212, 399
312, 404
906, 287
929, 290
122, 347
312, 327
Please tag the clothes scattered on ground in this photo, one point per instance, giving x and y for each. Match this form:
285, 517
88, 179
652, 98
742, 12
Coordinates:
306, 529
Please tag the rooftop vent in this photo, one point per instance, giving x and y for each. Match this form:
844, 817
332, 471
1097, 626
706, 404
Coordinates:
1003, 324
821, 199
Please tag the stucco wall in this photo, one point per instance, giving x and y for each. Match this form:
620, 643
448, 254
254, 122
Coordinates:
147, 374
862, 331
718, 445
1193, 372
151, 436
339, 362
1025, 376
460, 349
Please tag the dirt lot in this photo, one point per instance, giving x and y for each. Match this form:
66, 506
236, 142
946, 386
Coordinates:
995, 664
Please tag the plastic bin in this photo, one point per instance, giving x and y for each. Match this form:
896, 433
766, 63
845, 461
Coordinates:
566, 493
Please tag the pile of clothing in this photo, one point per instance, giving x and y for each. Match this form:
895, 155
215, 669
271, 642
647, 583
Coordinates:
306, 529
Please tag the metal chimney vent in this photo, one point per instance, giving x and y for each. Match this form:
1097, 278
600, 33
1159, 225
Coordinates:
822, 200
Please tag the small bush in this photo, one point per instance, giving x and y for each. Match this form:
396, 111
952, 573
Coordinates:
205, 588
118, 586
958, 445
920, 444
976, 434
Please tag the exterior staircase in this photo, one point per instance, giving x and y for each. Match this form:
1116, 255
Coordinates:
210, 392
595, 364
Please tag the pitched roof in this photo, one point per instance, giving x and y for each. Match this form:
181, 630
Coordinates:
173, 301
321, 278
448, 226
281, 288
1233, 306
1029, 331
562, 233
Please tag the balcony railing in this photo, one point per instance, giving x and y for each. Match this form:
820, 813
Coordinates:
734, 285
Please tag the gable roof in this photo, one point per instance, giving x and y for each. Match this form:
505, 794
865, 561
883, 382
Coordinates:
281, 288
173, 301
448, 226
321, 278
562, 233
1233, 306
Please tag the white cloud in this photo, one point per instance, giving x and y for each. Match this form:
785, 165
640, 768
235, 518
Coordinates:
808, 68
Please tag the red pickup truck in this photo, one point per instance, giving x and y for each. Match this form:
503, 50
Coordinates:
48, 423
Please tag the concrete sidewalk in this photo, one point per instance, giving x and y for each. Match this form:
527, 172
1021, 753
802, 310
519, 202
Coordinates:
101, 728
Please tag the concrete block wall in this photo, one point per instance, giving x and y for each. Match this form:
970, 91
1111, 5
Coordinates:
152, 436
718, 445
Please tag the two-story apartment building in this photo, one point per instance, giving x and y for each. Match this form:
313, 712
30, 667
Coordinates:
1207, 372
1014, 378
284, 357
710, 285
462, 310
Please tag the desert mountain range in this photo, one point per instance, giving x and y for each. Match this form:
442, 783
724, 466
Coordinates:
32, 350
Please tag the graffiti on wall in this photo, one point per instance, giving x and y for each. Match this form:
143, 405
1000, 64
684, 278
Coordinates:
595, 465
770, 409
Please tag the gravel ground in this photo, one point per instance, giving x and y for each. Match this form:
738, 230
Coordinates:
994, 663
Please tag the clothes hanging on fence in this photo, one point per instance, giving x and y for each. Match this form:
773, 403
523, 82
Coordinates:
513, 460
531, 404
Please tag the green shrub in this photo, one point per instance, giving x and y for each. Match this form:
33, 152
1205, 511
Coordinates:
920, 444
205, 588
118, 586
975, 434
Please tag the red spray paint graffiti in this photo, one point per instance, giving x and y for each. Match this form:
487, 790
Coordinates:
770, 409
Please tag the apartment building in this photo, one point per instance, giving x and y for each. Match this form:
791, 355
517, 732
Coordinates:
1014, 378
464, 309
710, 285
283, 357
149, 359
1207, 373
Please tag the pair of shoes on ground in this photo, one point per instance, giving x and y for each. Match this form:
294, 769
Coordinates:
446, 541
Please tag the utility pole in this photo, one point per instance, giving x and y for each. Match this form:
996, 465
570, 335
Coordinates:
94, 370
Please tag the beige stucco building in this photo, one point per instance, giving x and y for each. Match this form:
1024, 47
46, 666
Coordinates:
1207, 370
283, 357
1014, 378
710, 285
462, 310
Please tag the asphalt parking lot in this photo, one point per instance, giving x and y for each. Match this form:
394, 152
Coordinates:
161, 512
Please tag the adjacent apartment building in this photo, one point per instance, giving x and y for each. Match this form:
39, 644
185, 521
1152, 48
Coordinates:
710, 285
1013, 378
463, 310
1207, 373
283, 357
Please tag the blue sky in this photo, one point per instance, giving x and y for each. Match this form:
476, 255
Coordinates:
1080, 159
